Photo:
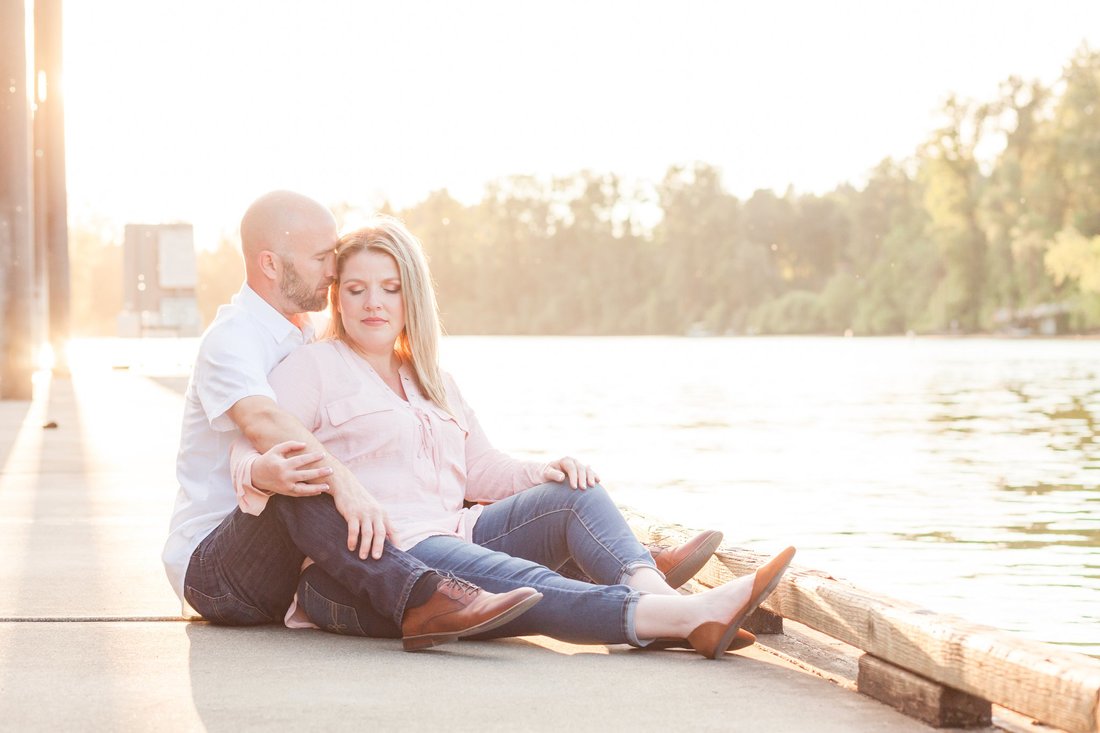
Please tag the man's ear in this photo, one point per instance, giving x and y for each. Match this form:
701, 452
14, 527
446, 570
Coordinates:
268, 265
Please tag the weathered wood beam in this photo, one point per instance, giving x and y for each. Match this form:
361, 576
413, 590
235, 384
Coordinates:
937, 705
16, 206
53, 200
1056, 687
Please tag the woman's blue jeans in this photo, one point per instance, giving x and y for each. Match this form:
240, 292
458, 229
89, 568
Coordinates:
516, 543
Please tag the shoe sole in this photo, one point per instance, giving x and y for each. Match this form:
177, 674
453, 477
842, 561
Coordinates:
693, 563
752, 605
658, 645
424, 641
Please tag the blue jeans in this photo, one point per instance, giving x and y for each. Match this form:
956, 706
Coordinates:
246, 571
516, 543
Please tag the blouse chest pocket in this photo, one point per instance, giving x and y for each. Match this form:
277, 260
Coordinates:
450, 420
451, 439
364, 427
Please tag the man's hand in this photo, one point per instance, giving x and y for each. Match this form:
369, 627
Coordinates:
263, 423
368, 525
581, 476
283, 470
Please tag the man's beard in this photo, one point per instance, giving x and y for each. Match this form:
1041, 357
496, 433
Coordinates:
298, 292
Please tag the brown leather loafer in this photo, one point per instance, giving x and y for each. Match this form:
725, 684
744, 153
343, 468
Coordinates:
713, 638
458, 609
741, 640
681, 563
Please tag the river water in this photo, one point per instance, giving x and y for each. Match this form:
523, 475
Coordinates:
961, 474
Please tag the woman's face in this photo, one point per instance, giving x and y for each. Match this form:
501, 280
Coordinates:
371, 308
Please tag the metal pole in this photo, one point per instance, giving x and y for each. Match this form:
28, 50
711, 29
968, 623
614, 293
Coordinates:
16, 205
50, 126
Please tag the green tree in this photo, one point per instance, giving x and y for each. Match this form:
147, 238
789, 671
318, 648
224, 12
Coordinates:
952, 186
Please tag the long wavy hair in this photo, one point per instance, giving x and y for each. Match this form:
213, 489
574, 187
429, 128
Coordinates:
418, 342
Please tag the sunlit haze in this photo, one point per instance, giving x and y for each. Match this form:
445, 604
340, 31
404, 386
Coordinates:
187, 111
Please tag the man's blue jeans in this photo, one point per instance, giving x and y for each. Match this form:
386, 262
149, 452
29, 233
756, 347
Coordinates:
516, 543
246, 570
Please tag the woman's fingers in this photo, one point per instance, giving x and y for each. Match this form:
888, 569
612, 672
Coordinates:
353, 533
391, 533
379, 540
579, 475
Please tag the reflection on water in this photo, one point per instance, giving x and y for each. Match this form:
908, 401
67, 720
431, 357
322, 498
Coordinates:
959, 474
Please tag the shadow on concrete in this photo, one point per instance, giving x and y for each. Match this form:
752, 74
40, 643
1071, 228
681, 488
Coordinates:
47, 543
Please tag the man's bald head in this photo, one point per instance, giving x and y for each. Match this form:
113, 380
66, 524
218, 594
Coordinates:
288, 241
277, 219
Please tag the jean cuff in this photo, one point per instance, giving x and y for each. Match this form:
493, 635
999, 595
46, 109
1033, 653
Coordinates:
630, 608
631, 568
399, 611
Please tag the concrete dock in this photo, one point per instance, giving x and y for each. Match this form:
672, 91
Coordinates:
91, 637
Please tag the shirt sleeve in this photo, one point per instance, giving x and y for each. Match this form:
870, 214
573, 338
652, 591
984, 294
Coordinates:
296, 384
491, 474
227, 369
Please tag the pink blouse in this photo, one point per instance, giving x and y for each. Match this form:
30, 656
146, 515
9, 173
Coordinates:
417, 459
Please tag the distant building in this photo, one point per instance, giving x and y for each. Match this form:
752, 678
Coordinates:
159, 280
1044, 319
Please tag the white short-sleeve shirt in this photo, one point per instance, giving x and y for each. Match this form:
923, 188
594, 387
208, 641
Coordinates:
246, 340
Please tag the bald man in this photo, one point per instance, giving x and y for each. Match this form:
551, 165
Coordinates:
242, 567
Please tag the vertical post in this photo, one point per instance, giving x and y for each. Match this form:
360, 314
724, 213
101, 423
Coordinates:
53, 199
16, 204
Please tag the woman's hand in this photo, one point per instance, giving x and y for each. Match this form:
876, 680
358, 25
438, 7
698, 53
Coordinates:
279, 472
580, 475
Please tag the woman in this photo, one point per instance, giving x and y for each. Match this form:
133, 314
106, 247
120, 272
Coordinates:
375, 397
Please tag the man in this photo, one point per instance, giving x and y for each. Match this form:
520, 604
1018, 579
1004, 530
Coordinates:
239, 568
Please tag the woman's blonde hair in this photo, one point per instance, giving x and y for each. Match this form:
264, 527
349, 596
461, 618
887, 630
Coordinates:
418, 343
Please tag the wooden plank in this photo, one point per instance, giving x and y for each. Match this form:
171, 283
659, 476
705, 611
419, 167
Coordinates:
937, 705
1057, 687
763, 621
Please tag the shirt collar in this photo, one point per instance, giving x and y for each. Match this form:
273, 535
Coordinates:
272, 320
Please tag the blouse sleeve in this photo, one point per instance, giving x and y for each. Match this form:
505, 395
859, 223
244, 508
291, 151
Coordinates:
491, 474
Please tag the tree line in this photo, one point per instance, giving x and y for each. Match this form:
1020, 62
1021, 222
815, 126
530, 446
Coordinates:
995, 215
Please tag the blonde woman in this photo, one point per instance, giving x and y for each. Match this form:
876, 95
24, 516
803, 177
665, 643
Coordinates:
375, 397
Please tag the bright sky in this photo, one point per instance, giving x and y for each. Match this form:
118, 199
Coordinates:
188, 111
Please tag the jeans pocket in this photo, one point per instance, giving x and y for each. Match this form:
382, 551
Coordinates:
225, 609
328, 614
